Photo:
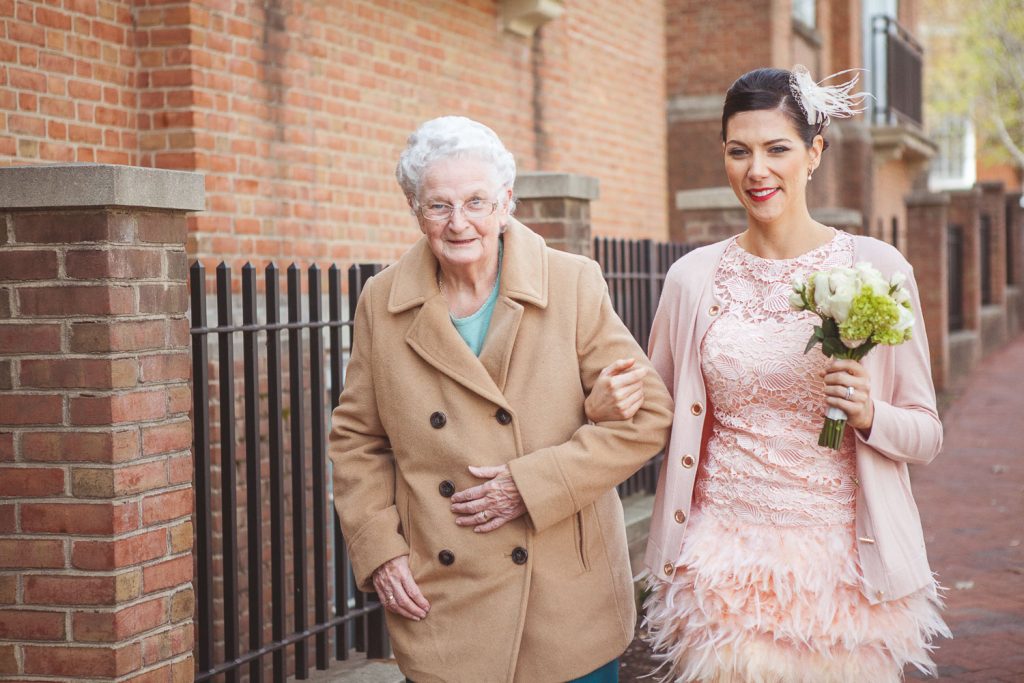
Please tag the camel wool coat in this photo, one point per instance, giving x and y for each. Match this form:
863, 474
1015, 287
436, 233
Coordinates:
906, 428
546, 597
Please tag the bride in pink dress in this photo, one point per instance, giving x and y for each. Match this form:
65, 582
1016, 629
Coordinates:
772, 559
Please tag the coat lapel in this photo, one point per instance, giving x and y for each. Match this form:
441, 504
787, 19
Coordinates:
436, 340
524, 279
501, 338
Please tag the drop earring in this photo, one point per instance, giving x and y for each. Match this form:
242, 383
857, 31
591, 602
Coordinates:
810, 174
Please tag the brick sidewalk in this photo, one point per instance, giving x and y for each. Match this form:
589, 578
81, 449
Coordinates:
972, 507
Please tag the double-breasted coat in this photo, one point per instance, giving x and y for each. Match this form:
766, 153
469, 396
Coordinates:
546, 597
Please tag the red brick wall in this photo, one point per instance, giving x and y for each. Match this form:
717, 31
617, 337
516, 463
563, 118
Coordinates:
709, 44
296, 111
68, 87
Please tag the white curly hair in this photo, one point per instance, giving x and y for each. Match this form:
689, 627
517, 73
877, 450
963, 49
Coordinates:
448, 137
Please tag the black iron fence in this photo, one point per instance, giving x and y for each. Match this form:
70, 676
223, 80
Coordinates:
290, 618
896, 66
295, 590
635, 272
985, 244
955, 276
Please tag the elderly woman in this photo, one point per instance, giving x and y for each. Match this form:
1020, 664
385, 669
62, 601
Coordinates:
475, 496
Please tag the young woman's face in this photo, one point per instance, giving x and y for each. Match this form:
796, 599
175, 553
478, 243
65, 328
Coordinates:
767, 164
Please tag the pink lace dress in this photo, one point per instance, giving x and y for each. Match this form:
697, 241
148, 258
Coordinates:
769, 587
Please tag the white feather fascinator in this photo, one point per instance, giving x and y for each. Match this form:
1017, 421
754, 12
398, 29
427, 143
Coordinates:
823, 102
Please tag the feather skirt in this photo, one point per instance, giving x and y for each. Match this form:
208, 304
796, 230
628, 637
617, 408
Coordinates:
772, 604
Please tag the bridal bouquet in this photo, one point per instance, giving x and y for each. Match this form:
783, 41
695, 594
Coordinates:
859, 309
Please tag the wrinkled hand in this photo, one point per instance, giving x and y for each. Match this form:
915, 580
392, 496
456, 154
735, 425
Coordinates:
859, 409
398, 590
490, 505
618, 392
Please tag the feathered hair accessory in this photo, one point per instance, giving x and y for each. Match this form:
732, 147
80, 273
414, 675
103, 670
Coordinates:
820, 103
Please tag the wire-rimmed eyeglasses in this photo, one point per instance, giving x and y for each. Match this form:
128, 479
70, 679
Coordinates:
474, 209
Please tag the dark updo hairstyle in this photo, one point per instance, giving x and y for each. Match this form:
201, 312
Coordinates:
766, 89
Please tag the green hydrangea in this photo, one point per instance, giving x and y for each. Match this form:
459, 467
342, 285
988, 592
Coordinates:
872, 317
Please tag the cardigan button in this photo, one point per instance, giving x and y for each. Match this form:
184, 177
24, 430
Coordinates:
446, 557
696, 409
519, 555
680, 516
502, 416
714, 310
446, 488
669, 568
438, 420
688, 461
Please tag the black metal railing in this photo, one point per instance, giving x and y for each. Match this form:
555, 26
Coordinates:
955, 277
635, 272
354, 619
985, 245
896, 65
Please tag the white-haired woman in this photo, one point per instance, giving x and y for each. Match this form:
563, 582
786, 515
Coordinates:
475, 496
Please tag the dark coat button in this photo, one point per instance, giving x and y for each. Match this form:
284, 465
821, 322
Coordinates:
446, 557
438, 420
519, 555
502, 416
446, 488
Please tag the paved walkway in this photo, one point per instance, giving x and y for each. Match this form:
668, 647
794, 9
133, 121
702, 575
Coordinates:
971, 500
972, 507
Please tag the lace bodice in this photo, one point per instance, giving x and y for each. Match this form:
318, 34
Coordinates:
763, 463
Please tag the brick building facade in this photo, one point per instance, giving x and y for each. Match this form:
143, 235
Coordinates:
296, 111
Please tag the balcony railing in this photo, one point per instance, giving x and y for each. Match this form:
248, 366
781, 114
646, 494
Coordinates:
895, 63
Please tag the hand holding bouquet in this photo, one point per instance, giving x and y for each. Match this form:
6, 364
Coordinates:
859, 309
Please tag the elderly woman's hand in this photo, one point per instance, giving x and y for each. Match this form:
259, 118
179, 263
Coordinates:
618, 392
490, 505
848, 387
396, 587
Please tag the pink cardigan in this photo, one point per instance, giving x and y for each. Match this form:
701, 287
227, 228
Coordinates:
906, 427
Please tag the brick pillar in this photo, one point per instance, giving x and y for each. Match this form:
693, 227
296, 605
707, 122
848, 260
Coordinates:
963, 212
1015, 237
926, 249
1015, 249
557, 207
95, 464
993, 204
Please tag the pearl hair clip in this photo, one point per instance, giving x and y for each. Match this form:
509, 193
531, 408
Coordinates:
820, 103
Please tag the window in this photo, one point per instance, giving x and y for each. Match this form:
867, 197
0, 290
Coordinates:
953, 167
805, 12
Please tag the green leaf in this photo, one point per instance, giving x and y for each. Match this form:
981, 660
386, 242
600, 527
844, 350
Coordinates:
831, 347
811, 343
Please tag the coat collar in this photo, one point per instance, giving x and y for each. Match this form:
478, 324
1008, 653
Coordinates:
524, 271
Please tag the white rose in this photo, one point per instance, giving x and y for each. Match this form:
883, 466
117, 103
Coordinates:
798, 282
897, 279
906, 319
901, 296
842, 300
796, 300
822, 293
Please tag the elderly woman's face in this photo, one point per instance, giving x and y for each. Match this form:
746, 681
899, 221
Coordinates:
459, 240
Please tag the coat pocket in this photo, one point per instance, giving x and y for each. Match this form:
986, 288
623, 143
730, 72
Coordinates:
581, 539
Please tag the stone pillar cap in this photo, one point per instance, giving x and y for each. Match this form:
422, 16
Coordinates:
85, 185
544, 185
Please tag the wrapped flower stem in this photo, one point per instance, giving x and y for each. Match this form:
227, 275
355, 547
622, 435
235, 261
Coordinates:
858, 310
